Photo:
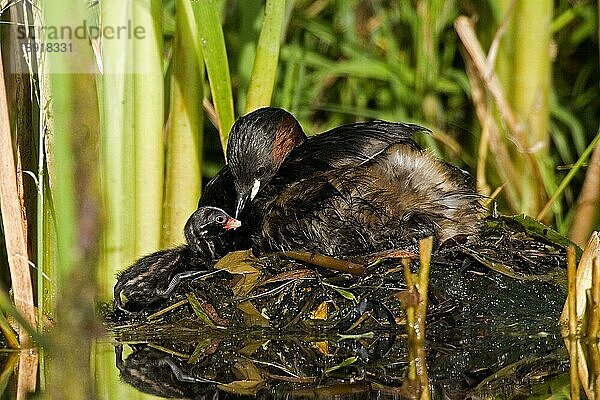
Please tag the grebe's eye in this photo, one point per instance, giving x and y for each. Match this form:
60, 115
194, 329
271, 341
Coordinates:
220, 219
261, 171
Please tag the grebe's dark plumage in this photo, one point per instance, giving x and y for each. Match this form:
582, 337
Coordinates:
400, 196
155, 276
269, 139
220, 192
355, 189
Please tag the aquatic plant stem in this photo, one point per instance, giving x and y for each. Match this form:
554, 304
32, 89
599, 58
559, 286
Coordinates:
410, 318
118, 164
567, 179
530, 94
572, 304
45, 291
46, 230
185, 128
478, 70
594, 321
416, 312
594, 328
425, 249
217, 66
327, 262
148, 126
264, 70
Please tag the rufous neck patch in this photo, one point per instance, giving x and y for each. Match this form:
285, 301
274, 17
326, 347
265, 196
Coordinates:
288, 136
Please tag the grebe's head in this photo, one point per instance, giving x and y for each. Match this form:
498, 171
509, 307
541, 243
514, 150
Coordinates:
258, 144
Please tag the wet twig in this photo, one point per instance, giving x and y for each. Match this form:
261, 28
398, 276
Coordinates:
331, 263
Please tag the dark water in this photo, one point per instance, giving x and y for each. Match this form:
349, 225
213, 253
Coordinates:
293, 367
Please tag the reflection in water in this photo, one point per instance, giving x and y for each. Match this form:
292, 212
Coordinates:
305, 371
187, 360
155, 372
281, 366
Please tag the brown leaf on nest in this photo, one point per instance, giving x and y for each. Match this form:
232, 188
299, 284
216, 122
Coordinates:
240, 263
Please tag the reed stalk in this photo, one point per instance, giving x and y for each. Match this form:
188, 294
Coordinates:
415, 299
185, 128
530, 94
46, 229
12, 220
594, 327
118, 165
217, 65
411, 309
148, 110
425, 249
594, 315
264, 70
44, 232
521, 98
572, 318
73, 111
44, 242
61, 92
567, 179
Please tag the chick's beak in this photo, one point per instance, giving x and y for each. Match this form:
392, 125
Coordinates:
232, 223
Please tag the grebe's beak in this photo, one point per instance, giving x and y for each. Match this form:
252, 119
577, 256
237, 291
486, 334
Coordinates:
241, 203
244, 198
232, 223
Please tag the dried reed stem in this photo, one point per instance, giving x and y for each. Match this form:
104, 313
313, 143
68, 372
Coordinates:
328, 262
410, 320
594, 328
12, 219
466, 32
586, 210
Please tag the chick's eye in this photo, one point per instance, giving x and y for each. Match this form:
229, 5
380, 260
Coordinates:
261, 171
220, 219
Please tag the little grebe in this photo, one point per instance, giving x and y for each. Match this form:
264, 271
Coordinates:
355, 189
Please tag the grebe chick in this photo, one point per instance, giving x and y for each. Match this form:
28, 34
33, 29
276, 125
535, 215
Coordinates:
154, 277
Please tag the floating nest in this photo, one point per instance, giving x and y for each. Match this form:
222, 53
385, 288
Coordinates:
279, 325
